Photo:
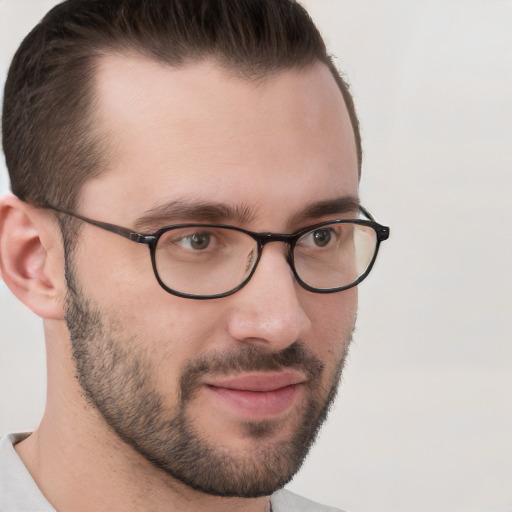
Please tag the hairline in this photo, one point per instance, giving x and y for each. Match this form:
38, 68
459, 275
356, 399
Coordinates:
105, 151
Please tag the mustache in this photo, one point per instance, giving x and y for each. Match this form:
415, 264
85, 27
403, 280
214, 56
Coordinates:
250, 359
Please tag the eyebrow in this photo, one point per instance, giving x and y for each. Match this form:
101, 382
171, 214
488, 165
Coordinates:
184, 211
330, 207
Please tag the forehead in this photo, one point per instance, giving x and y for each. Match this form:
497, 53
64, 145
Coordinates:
202, 133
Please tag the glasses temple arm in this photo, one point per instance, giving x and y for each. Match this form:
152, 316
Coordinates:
118, 230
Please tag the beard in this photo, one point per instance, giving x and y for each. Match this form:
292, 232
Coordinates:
118, 378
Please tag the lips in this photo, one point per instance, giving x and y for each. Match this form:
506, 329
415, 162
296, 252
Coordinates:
258, 396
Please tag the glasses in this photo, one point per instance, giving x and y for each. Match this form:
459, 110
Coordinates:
208, 261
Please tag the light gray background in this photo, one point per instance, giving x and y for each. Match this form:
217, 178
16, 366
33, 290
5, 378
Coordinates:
424, 419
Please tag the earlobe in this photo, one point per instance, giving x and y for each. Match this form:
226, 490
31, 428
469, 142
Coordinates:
29, 259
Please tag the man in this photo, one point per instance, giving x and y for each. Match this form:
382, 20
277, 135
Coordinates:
185, 219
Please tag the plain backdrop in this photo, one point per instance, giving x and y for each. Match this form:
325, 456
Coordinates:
424, 417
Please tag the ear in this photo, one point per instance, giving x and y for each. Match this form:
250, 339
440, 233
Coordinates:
31, 257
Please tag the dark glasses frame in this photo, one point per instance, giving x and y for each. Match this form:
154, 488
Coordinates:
262, 239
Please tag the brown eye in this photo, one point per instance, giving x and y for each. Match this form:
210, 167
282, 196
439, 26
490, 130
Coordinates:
322, 237
199, 241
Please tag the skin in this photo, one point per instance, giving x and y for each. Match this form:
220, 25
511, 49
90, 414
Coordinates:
268, 149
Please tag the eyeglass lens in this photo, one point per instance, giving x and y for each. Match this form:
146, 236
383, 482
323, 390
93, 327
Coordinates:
207, 261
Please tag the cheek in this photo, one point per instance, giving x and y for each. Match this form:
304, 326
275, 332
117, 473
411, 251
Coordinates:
332, 318
122, 285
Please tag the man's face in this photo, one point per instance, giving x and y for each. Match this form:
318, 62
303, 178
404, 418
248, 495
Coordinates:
225, 395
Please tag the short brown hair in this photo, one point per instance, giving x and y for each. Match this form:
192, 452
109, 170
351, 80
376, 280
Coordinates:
51, 142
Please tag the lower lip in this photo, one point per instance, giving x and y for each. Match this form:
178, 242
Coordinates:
257, 404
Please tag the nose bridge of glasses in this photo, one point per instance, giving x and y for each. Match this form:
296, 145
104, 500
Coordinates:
266, 238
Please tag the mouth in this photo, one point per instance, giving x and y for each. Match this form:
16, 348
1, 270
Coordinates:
258, 396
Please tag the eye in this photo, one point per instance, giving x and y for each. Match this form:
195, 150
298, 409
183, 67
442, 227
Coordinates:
318, 238
321, 237
198, 241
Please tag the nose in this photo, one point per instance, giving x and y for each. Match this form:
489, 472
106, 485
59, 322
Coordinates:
267, 311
